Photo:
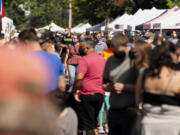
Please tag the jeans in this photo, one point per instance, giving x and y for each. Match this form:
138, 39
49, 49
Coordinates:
72, 73
106, 106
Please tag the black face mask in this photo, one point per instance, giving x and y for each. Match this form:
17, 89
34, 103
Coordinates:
132, 54
82, 52
120, 54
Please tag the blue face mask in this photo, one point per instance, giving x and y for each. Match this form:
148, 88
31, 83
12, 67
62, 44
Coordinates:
98, 38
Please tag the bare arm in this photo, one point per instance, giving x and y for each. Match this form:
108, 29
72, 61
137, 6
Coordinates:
77, 83
78, 80
62, 83
66, 57
63, 46
138, 89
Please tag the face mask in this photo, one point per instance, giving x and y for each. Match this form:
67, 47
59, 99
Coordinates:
175, 36
120, 54
132, 54
53, 47
82, 52
98, 38
75, 40
148, 41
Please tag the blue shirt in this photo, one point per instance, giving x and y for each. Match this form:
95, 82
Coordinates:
100, 47
54, 65
130, 45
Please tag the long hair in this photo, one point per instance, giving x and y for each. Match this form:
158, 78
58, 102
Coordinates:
160, 57
142, 52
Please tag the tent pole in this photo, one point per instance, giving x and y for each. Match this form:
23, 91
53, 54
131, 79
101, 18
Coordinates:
70, 14
160, 29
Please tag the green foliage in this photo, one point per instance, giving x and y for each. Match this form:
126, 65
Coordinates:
172, 3
96, 11
49, 10
43, 12
13, 11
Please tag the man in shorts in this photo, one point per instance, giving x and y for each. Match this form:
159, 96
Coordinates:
88, 91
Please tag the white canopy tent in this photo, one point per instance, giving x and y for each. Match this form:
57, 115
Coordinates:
81, 28
96, 27
76, 28
55, 28
143, 17
169, 22
131, 21
156, 22
175, 26
7, 25
52, 27
117, 22
124, 22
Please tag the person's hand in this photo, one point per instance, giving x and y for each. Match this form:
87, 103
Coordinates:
118, 87
76, 96
65, 65
108, 87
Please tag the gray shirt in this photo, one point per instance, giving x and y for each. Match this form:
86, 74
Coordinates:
68, 124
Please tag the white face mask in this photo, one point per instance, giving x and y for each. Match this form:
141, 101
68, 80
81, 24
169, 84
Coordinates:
148, 41
53, 47
175, 35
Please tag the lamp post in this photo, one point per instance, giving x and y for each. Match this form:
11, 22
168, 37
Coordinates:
70, 14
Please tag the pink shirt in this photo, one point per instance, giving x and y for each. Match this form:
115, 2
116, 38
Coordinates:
74, 57
92, 66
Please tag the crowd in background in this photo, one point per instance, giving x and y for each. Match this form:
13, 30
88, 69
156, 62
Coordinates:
120, 83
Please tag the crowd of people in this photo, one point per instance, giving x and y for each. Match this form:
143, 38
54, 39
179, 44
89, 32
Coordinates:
125, 83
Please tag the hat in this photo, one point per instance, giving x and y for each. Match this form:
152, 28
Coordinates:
149, 34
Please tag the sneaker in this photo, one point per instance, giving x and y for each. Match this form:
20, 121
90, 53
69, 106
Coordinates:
106, 128
101, 130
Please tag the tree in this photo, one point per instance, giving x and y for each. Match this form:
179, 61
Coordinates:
42, 12
48, 11
172, 3
97, 11
13, 11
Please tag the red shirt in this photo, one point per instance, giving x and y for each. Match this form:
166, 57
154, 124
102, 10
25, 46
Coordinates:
74, 56
92, 66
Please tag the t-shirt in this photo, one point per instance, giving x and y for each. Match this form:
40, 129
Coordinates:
66, 40
68, 124
173, 41
100, 47
55, 66
118, 70
74, 56
92, 66
107, 53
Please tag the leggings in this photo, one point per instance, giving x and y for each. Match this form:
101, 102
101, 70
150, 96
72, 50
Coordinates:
105, 106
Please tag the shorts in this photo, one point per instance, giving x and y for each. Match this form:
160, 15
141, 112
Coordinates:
88, 111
